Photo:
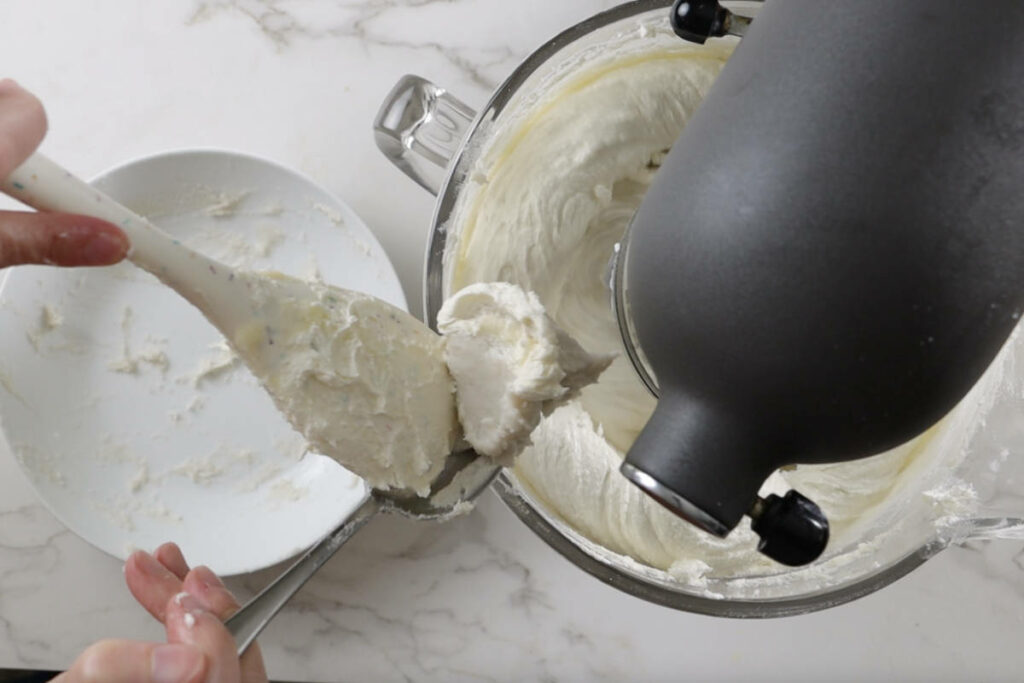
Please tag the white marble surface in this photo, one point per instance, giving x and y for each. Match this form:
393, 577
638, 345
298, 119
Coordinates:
299, 81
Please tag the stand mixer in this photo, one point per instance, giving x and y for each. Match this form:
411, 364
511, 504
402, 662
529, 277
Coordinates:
861, 280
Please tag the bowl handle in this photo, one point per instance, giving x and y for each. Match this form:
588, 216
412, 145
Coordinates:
420, 128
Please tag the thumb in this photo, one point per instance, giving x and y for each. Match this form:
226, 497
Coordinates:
22, 125
129, 661
59, 239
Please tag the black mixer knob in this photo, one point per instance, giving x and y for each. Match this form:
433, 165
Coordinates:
792, 528
698, 20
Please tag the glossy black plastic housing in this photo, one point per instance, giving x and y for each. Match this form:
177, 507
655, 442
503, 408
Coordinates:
698, 20
793, 530
833, 251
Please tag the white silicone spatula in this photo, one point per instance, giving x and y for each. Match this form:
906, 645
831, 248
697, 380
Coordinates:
228, 298
209, 285
363, 381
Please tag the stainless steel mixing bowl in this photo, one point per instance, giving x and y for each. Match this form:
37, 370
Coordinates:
436, 140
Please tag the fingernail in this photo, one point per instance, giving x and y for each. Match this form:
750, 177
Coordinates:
148, 564
207, 578
189, 603
175, 663
87, 246
191, 606
102, 249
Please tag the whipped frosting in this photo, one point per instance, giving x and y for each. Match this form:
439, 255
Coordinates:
369, 385
363, 381
549, 196
511, 364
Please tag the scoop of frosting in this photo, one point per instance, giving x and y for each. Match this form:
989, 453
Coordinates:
511, 364
372, 387
363, 381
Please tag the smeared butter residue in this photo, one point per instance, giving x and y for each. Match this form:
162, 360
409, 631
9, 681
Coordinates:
200, 469
140, 479
285, 491
39, 463
225, 204
239, 250
954, 502
332, 214
219, 363
8, 386
125, 511
130, 362
50, 318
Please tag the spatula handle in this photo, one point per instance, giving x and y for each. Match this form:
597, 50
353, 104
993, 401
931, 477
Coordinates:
206, 283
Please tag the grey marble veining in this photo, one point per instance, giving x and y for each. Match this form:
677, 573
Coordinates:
437, 26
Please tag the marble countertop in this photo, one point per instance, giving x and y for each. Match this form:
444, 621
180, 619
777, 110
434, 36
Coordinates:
481, 598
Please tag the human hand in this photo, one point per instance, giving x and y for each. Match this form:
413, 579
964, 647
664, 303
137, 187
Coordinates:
48, 238
192, 604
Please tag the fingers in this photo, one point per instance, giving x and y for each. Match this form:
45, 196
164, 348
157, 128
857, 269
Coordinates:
194, 617
214, 596
59, 239
128, 661
152, 584
211, 592
169, 555
189, 622
54, 239
194, 624
22, 125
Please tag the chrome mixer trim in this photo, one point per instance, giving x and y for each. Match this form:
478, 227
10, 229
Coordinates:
673, 501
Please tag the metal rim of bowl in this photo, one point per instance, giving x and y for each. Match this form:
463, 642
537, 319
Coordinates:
505, 486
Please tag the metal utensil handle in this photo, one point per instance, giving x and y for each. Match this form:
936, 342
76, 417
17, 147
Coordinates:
420, 128
248, 622
987, 529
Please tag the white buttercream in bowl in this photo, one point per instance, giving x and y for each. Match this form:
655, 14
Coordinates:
551, 192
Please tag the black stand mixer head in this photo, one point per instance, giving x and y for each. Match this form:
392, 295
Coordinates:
830, 256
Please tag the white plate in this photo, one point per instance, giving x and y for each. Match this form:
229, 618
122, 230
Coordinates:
102, 398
